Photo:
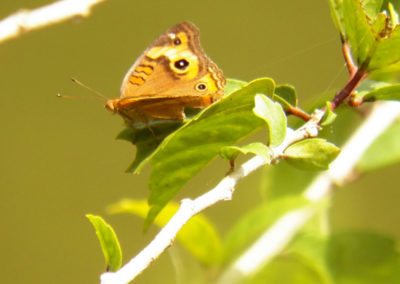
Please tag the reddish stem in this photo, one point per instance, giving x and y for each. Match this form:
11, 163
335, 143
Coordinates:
299, 113
354, 81
351, 67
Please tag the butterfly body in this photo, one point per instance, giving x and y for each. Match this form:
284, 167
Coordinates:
171, 75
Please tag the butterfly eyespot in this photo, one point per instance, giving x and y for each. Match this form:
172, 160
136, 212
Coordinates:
201, 87
177, 41
181, 64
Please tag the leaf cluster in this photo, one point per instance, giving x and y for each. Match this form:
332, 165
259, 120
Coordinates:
178, 151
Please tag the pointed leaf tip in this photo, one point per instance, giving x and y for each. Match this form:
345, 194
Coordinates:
108, 241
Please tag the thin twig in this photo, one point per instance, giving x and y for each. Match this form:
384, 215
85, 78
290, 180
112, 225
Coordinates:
357, 74
275, 239
298, 112
25, 20
351, 67
223, 191
354, 81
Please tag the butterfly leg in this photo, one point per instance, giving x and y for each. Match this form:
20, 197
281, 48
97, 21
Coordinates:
151, 131
146, 122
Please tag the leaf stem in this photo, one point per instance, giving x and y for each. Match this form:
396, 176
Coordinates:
298, 112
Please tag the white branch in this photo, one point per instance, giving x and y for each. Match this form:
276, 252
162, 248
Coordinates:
25, 20
189, 208
280, 234
275, 239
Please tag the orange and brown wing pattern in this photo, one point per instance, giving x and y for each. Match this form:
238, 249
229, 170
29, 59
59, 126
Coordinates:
139, 76
173, 73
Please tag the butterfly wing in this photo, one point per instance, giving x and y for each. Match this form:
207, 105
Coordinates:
173, 73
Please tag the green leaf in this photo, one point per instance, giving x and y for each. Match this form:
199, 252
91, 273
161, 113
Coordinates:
252, 224
232, 85
303, 261
310, 245
329, 116
394, 16
372, 7
387, 51
284, 180
311, 154
358, 31
363, 258
368, 86
373, 41
387, 93
198, 236
147, 141
286, 96
337, 15
310, 250
126, 134
108, 241
375, 157
287, 269
185, 152
257, 148
274, 116
147, 137
380, 25
344, 258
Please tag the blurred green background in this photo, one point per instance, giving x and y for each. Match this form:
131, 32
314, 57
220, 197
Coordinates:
59, 159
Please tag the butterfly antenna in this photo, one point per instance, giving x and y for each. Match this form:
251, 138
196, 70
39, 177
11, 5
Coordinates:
64, 96
99, 95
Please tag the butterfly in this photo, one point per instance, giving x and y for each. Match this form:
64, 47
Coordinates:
171, 75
